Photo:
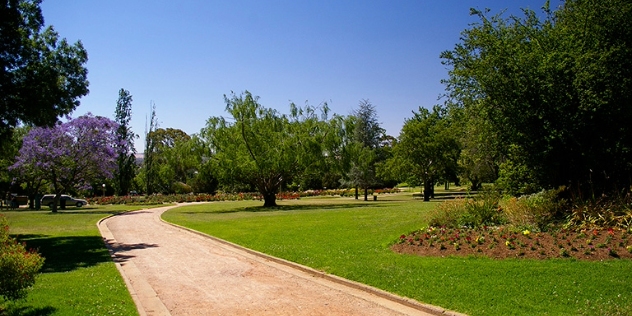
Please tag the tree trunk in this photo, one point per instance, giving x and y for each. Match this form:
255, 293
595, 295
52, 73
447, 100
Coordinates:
475, 186
269, 200
55, 203
366, 194
427, 190
356, 192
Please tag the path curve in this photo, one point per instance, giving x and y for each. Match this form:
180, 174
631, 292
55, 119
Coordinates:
173, 271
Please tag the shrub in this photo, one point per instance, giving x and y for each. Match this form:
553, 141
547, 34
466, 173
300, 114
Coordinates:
477, 212
536, 210
603, 212
449, 213
18, 267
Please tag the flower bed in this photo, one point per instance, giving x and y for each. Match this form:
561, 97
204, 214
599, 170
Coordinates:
186, 198
503, 242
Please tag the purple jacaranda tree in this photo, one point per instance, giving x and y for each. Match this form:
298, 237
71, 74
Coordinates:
69, 155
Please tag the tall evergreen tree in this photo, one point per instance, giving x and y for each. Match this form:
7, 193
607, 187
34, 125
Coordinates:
150, 145
367, 135
126, 160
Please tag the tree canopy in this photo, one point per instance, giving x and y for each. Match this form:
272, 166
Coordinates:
555, 92
260, 147
426, 150
69, 155
41, 75
126, 160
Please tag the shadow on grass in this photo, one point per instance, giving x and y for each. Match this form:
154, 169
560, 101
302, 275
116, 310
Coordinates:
67, 253
27, 311
286, 208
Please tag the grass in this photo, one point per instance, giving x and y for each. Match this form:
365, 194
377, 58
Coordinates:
351, 239
78, 277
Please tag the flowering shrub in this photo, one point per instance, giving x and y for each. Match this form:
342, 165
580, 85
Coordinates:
346, 192
18, 267
186, 198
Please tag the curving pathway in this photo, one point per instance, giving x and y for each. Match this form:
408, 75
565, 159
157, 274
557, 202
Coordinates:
173, 271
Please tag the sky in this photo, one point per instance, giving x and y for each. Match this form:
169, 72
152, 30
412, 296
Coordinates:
184, 56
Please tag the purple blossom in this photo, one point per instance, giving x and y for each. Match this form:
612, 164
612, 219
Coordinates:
70, 154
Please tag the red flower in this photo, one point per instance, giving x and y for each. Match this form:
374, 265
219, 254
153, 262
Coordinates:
402, 236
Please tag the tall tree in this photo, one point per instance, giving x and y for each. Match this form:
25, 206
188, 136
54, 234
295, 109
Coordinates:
367, 135
126, 160
426, 148
174, 159
70, 155
555, 90
41, 76
149, 170
262, 147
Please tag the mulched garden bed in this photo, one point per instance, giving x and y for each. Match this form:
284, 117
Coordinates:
502, 242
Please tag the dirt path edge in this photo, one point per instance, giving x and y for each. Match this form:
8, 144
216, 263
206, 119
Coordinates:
145, 298
265, 258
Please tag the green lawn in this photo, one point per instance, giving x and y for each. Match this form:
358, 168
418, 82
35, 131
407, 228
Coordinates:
350, 238
78, 277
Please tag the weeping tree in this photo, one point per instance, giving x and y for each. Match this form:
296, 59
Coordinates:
263, 148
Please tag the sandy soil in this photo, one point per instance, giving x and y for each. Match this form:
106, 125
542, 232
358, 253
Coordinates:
171, 271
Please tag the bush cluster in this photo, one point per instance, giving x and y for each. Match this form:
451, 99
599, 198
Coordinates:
540, 211
18, 266
185, 198
345, 192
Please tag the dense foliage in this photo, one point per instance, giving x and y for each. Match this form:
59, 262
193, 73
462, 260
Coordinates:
126, 160
553, 92
263, 148
41, 76
18, 266
427, 150
69, 155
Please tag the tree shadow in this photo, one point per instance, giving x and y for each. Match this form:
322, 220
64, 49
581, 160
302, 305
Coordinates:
28, 311
67, 253
120, 250
85, 211
131, 213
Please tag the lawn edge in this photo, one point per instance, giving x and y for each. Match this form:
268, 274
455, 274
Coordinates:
148, 299
411, 303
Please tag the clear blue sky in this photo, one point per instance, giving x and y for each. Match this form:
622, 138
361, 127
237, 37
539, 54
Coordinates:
185, 55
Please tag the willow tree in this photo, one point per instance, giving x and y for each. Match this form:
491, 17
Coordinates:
263, 148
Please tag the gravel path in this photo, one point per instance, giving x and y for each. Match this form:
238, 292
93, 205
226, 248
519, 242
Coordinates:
172, 271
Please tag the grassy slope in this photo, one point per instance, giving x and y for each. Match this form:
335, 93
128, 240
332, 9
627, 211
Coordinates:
78, 276
351, 239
